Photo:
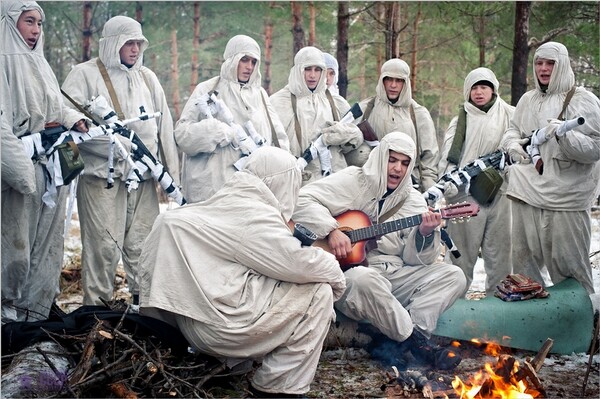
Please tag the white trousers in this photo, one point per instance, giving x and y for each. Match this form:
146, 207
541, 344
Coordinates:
287, 339
396, 298
114, 224
557, 240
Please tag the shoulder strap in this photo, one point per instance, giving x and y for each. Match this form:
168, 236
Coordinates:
417, 142
369, 109
111, 89
274, 138
391, 212
566, 103
334, 110
296, 121
459, 137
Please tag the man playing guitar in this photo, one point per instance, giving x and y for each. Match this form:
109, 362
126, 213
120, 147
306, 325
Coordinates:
404, 289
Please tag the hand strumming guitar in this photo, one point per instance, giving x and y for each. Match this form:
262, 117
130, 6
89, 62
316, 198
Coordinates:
339, 243
431, 220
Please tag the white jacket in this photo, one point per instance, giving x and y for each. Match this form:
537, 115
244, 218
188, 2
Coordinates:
387, 117
314, 113
31, 97
361, 188
570, 181
209, 145
135, 87
222, 261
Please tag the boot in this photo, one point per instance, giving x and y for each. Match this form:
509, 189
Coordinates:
426, 351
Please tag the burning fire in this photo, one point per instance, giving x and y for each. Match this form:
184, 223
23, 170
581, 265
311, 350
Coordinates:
505, 380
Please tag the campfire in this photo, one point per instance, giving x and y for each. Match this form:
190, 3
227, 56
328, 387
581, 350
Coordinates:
506, 379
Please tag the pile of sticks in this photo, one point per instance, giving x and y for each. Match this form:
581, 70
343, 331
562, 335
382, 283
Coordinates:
107, 361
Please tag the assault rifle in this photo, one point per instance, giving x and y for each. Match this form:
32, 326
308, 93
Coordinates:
247, 137
141, 158
540, 136
318, 149
460, 177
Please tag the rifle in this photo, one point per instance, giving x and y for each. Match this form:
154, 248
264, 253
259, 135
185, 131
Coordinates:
141, 158
318, 149
247, 137
462, 176
540, 136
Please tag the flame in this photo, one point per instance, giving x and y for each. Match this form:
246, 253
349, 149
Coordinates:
487, 383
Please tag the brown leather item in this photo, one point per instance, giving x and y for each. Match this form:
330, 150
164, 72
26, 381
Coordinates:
367, 131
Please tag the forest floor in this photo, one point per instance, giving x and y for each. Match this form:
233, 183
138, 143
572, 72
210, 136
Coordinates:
351, 373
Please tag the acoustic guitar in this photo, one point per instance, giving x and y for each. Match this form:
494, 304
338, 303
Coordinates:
358, 227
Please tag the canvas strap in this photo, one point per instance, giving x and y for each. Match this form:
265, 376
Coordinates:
390, 212
459, 136
111, 89
334, 113
418, 160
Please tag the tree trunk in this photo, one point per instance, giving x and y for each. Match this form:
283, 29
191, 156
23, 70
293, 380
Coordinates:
312, 30
139, 14
392, 30
86, 53
343, 23
520, 51
481, 32
415, 50
268, 52
175, 75
196, 47
297, 30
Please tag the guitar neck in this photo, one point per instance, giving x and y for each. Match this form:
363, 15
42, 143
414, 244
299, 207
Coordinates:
370, 232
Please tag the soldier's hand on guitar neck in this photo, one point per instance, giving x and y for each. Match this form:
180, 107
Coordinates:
431, 220
339, 243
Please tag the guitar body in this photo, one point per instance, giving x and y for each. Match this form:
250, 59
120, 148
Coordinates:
350, 220
363, 234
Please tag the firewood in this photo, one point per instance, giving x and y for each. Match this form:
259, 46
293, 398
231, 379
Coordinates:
538, 360
37, 371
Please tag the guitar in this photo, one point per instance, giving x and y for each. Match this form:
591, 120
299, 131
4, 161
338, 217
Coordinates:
358, 227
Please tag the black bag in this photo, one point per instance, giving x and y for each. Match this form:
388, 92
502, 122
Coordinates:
485, 186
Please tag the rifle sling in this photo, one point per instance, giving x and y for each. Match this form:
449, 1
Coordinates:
111, 89
334, 113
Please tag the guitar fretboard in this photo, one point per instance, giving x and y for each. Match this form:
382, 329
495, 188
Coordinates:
367, 233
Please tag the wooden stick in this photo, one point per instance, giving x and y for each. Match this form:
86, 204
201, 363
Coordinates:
538, 360
592, 350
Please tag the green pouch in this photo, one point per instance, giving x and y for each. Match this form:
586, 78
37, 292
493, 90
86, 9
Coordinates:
485, 186
71, 162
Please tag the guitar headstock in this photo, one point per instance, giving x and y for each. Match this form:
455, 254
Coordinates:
460, 212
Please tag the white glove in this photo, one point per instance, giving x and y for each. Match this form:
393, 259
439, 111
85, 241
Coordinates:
100, 107
244, 142
450, 190
258, 139
343, 134
206, 111
33, 144
223, 112
324, 155
517, 153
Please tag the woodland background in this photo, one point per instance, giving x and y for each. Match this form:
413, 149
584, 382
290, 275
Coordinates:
441, 41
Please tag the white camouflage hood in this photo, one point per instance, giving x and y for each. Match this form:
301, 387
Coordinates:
118, 31
307, 57
562, 78
395, 68
376, 166
278, 170
237, 47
